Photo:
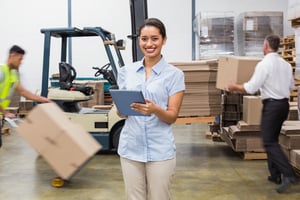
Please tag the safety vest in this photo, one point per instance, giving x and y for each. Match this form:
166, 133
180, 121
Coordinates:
7, 85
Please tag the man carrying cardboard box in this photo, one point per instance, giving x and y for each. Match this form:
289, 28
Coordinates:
9, 82
273, 76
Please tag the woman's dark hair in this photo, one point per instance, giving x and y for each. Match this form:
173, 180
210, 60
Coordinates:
16, 49
274, 41
156, 23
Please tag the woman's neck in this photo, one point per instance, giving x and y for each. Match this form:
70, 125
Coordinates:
150, 62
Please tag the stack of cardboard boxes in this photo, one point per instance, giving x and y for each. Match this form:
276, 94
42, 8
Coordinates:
245, 136
252, 28
238, 69
201, 97
289, 140
293, 11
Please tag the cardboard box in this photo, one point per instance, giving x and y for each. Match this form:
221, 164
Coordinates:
98, 96
252, 106
242, 143
71, 150
64, 145
295, 158
289, 141
235, 68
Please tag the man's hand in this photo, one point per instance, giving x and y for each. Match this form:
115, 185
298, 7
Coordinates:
9, 115
234, 87
231, 86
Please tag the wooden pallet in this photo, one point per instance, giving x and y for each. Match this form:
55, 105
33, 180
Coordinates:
287, 40
190, 120
295, 22
254, 155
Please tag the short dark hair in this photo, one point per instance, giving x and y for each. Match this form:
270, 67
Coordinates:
274, 41
16, 49
156, 23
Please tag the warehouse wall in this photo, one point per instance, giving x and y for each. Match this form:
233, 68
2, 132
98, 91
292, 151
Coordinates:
21, 22
238, 7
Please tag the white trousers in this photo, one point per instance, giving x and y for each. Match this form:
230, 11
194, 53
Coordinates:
147, 181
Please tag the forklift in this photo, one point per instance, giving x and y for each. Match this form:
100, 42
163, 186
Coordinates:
104, 124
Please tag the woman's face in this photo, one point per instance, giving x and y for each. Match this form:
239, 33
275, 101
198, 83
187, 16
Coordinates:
151, 42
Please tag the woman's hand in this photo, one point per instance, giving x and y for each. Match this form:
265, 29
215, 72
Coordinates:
146, 109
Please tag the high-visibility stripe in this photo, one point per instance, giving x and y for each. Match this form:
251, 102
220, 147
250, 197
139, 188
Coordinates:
8, 85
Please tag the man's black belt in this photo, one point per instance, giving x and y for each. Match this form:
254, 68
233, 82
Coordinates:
271, 100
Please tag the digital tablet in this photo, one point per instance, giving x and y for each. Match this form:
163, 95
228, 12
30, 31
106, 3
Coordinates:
124, 98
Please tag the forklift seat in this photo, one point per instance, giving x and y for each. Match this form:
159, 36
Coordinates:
67, 74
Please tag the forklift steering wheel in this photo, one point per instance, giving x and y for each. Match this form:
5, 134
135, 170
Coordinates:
101, 70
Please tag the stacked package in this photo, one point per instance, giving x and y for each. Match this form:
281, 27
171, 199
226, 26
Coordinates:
289, 140
98, 96
293, 9
201, 97
253, 27
232, 109
238, 69
243, 139
215, 31
245, 136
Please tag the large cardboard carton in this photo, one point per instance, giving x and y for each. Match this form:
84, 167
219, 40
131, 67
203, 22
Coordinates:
42, 126
71, 150
64, 145
235, 68
252, 106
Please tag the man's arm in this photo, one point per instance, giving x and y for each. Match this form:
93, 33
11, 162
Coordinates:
234, 87
29, 95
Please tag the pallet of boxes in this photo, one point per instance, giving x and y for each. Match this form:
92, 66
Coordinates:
243, 134
289, 140
201, 101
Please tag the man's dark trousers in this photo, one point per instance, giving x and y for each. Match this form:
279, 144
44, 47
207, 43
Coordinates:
274, 113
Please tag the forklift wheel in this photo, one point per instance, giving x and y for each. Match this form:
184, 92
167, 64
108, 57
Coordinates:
116, 136
57, 182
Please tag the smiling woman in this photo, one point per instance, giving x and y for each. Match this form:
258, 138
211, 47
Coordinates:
146, 146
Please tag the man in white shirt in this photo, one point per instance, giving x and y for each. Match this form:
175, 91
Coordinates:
273, 76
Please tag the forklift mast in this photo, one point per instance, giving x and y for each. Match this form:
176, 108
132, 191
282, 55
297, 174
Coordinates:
65, 33
139, 12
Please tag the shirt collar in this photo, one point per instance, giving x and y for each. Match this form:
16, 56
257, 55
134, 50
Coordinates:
157, 68
272, 54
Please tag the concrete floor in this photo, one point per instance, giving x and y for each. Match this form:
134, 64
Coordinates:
205, 170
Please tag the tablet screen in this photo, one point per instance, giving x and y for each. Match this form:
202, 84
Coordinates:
124, 98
